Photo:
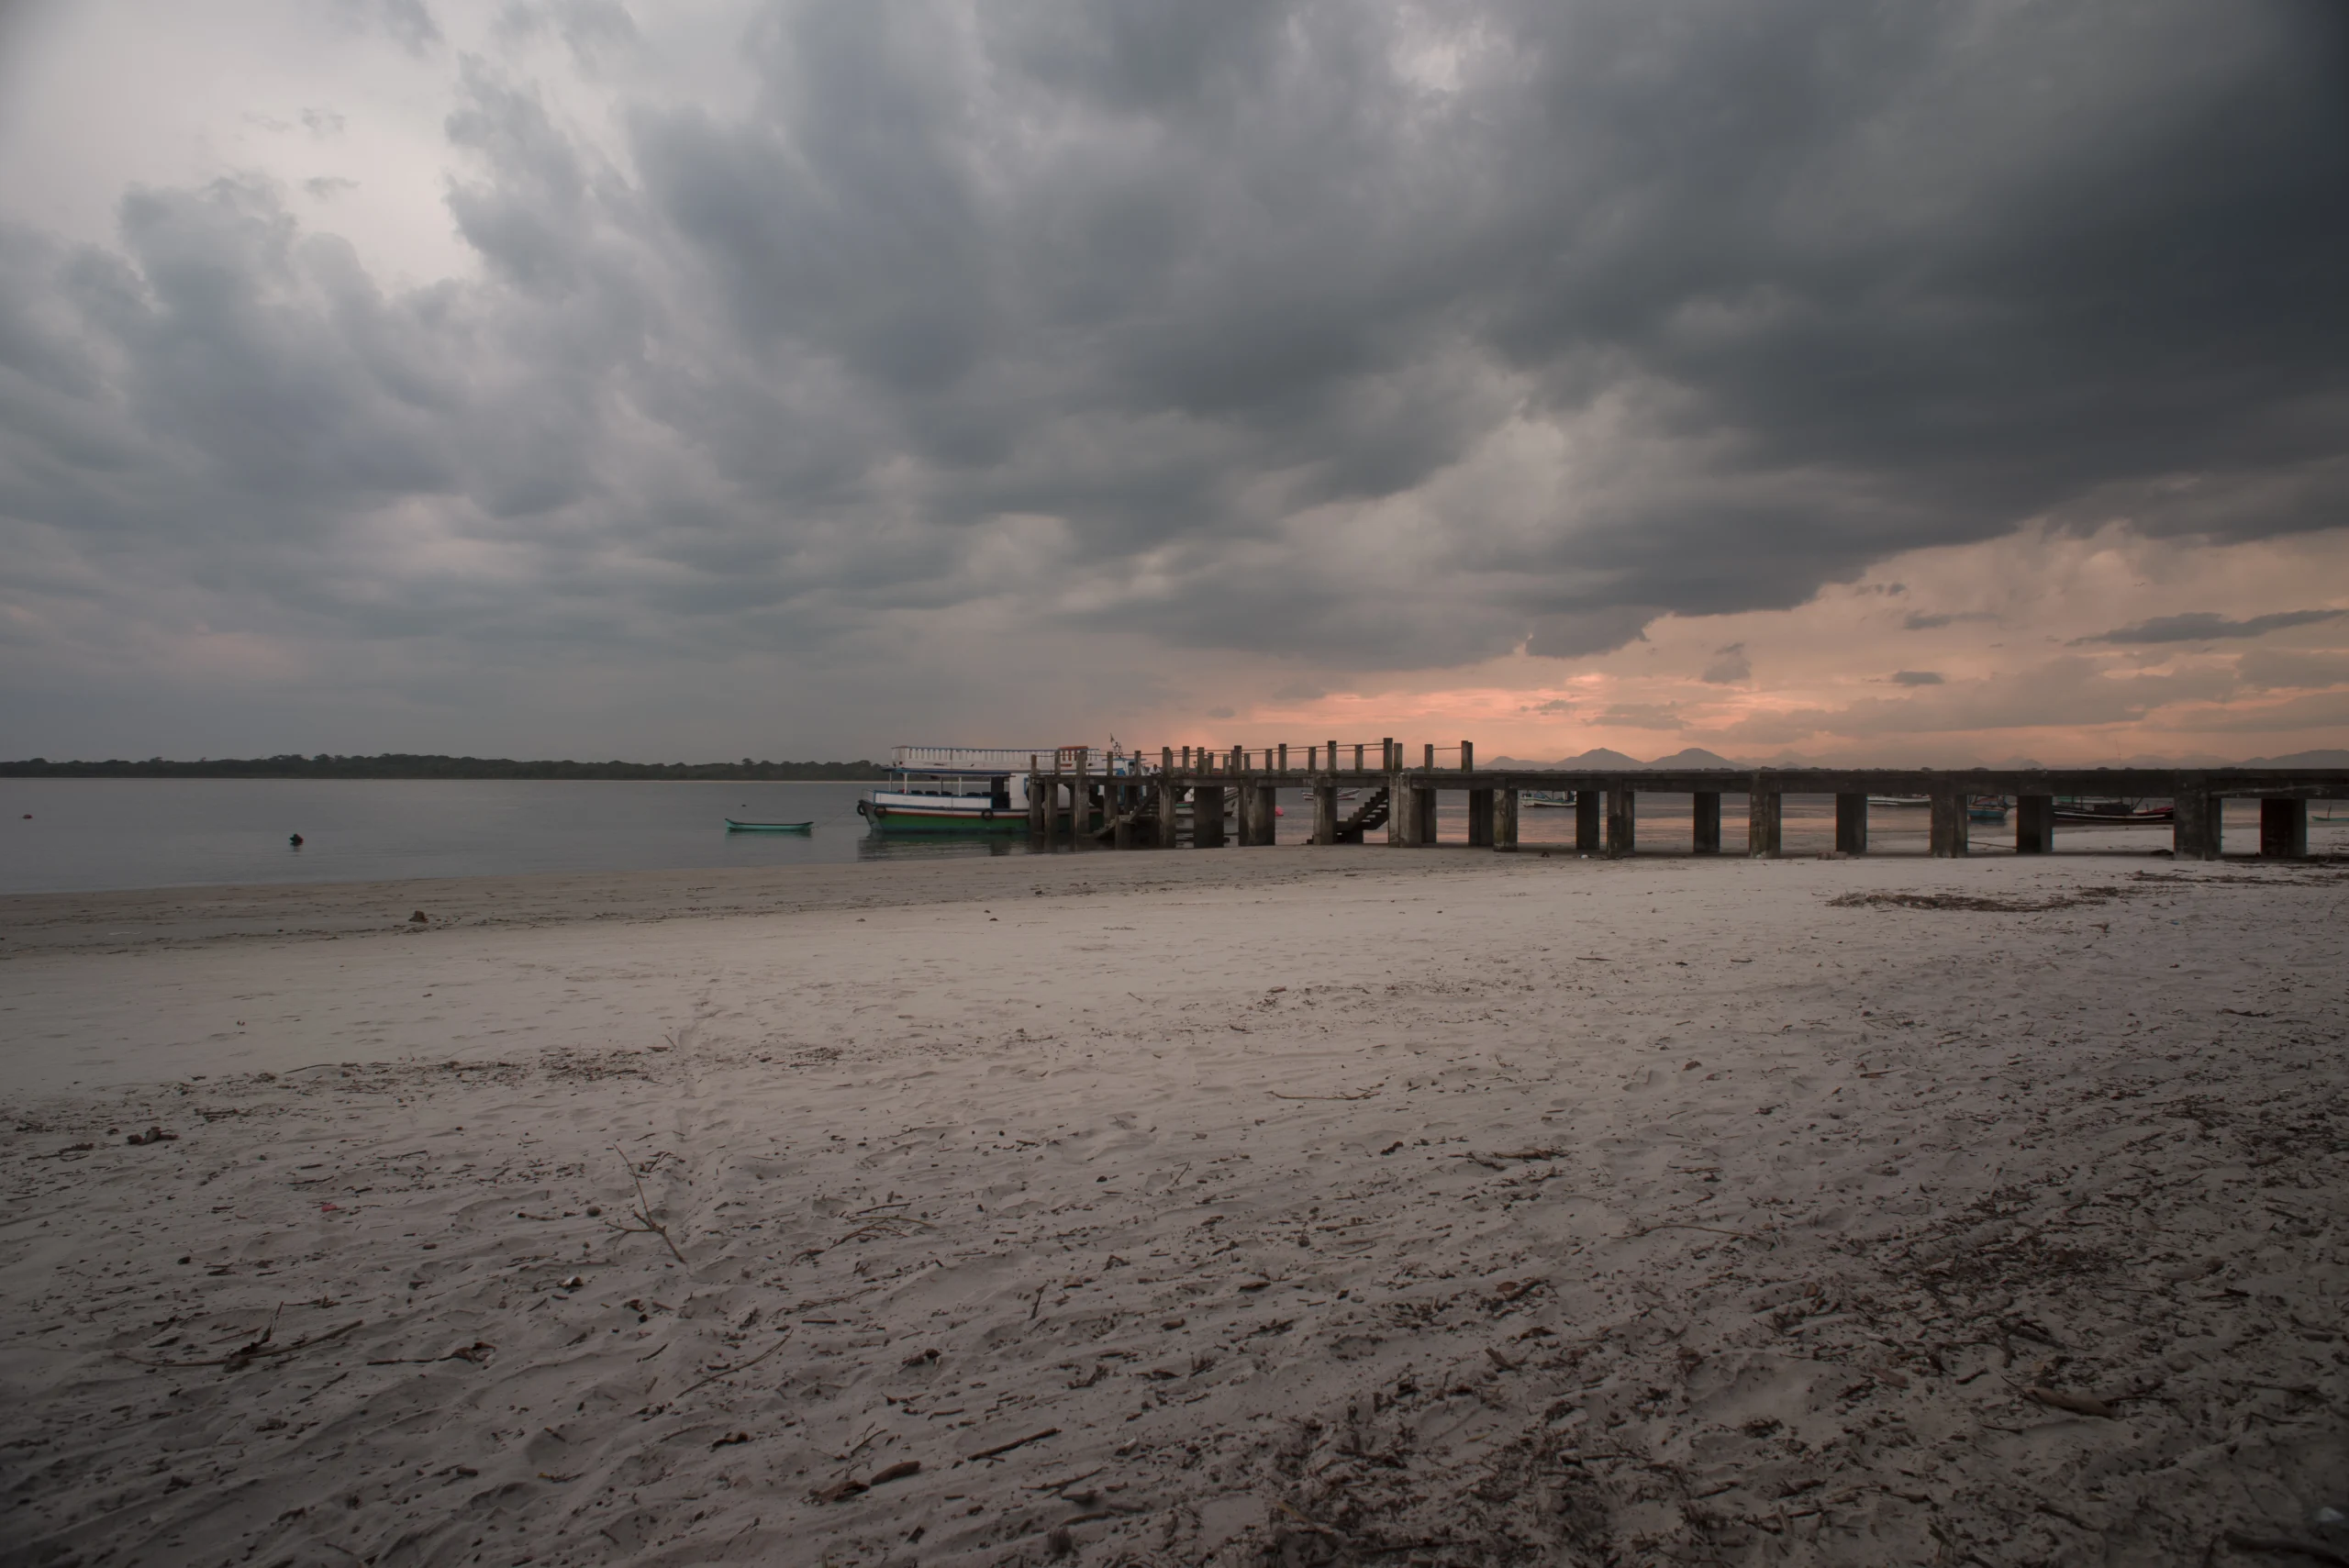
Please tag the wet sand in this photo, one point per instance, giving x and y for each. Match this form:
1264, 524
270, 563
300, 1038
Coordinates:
1294, 1206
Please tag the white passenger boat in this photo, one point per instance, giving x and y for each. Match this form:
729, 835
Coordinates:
974, 789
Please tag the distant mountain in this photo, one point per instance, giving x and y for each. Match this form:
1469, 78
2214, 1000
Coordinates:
1596, 761
1695, 757
2334, 758
1606, 761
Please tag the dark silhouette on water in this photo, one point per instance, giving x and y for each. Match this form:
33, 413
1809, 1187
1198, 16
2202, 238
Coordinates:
295, 840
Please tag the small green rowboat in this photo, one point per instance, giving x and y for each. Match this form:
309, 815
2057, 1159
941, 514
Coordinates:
734, 827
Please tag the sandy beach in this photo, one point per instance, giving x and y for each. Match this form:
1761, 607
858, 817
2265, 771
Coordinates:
1291, 1206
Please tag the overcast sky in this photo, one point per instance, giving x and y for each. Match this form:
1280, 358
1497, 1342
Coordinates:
569, 377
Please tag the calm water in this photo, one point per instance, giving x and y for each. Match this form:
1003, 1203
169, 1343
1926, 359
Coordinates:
101, 833
72, 835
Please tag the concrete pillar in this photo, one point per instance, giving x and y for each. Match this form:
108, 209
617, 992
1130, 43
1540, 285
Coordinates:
1035, 802
1325, 810
2284, 829
1414, 813
1852, 824
2034, 824
1589, 824
1504, 821
1268, 803
1120, 801
1621, 821
1765, 811
1401, 822
1080, 802
1708, 813
2195, 835
1480, 819
1950, 830
1206, 816
1169, 795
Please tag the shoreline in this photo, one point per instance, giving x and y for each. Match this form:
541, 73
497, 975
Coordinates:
180, 914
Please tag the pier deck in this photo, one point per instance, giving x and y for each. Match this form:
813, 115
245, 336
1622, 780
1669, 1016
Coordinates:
1130, 801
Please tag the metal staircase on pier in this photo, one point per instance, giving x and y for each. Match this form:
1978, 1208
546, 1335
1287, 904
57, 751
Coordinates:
1371, 814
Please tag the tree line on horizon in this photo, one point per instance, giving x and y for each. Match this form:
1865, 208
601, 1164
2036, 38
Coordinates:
409, 765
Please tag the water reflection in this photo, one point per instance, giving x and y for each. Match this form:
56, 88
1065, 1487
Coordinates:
940, 846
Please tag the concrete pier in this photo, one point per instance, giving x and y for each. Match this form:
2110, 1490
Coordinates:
1142, 801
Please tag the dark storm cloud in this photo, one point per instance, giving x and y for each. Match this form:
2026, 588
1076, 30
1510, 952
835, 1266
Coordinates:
2202, 626
1399, 335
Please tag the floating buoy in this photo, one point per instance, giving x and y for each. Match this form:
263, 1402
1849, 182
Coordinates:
295, 840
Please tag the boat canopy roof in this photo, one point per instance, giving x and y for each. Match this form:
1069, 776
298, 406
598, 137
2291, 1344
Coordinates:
969, 760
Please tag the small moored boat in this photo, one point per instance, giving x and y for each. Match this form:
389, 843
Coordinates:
2085, 811
734, 827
